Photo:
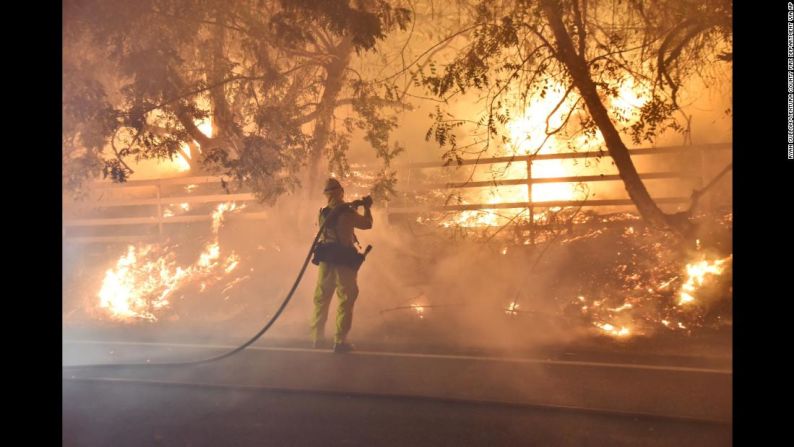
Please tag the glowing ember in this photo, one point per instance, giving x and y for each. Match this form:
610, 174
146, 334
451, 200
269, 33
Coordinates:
666, 284
231, 263
622, 307
142, 280
612, 330
512, 309
476, 218
648, 286
234, 282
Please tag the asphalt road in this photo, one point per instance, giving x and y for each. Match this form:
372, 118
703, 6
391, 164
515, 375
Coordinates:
133, 414
702, 393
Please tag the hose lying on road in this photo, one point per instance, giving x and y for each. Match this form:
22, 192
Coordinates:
233, 351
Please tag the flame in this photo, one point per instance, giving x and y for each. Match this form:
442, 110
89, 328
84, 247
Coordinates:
217, 215
474, 218
205, 127
630, 98
528, 135
696, 277
180, 163
142, 280
132, 289
210, 255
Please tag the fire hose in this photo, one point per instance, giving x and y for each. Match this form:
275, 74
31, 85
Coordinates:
244, 345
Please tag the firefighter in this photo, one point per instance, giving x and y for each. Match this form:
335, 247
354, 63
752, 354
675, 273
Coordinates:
334, 273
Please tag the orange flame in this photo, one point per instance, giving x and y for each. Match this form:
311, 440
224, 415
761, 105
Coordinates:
141, 282
528, 135
696, 277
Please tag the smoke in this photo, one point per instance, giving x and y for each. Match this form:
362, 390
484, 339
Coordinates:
444, 290
423, 284
463, 287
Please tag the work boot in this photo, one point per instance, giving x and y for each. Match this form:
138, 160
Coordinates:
341, 348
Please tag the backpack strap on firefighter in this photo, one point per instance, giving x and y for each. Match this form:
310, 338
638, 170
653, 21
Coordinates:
329, 216
332, 251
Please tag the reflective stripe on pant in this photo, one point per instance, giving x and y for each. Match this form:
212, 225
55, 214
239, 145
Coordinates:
332, 277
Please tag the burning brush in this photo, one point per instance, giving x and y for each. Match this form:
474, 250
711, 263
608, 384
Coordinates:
144, 279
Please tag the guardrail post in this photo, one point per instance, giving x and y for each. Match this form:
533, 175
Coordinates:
159, 213
530, 204
702, 175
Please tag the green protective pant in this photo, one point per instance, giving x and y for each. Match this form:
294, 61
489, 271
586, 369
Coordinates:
342, 279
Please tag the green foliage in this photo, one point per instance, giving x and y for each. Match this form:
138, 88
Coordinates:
383, 189
365, 26
139, 76
88, 122
512, 58
655, 116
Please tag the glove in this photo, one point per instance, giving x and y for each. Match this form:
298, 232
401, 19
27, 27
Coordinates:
366, 202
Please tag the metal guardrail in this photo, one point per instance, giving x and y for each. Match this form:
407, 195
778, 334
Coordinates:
696, 174
159, 201
529, 180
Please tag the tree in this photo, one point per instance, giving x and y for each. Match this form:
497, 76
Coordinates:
591, 48
140, 78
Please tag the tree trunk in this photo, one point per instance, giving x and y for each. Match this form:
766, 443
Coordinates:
223, 126
334, 81
580, 73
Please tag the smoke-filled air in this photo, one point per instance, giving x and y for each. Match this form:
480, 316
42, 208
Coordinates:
402, 181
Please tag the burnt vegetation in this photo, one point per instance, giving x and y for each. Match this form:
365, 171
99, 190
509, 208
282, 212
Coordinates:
275, 95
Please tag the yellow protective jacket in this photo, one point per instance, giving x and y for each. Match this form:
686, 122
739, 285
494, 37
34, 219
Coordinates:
346, 219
